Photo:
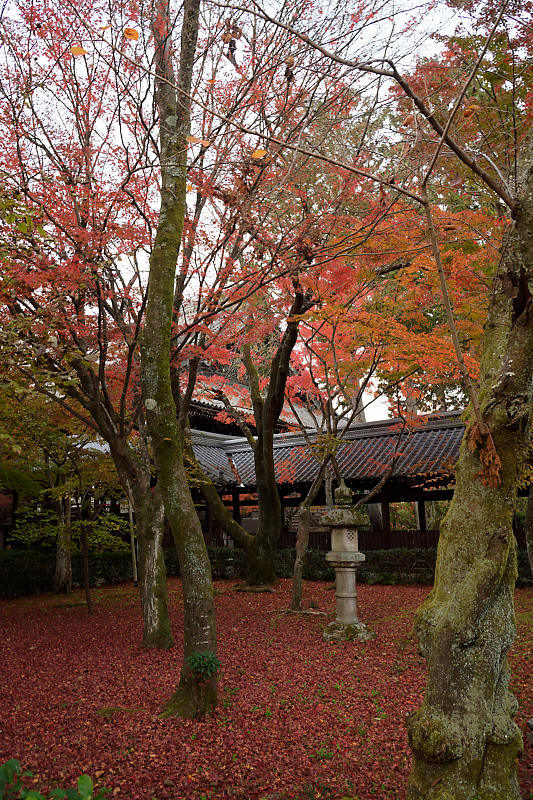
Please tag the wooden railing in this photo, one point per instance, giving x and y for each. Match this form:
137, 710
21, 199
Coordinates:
369, 540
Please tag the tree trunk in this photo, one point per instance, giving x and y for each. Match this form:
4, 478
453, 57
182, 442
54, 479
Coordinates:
464, 737
375, 515
63, 573
302, 538
261, 548
328, 487
528, 528
302, 541
132, 543
85, 559
152, 574
194, 696
149, 516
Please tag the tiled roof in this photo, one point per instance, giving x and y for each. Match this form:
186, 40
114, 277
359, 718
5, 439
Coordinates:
212, 406
209, 449
424, 454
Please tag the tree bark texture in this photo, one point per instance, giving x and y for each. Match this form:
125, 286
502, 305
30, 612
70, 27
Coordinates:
63, 573
135, 478
149, 516
260, 549
193, 697
132, 541
464, 738
302, 542
528, 528
302, 537
86, 576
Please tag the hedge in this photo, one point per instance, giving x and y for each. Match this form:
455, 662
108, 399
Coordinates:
24, 572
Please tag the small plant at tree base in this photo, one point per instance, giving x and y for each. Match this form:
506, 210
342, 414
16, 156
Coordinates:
204, 665
11, 786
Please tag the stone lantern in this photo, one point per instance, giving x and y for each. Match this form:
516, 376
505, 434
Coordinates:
344, 557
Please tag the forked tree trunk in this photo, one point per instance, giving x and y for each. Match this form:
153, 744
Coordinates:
260, 549
464, 737
194, 696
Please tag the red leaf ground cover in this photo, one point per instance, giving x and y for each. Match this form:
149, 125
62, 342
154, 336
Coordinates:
298, 719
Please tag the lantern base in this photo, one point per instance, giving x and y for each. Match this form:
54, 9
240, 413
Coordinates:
347, 632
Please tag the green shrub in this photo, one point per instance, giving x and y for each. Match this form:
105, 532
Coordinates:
24, 572
37, 528
204, 665
12, 786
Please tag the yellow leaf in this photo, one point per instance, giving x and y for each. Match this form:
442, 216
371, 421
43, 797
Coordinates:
190, 187
193, 139
469, 110
76, 50
259, 153
131, 33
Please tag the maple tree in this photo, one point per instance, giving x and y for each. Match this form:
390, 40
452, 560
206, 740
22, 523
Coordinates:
39, 437
463, 737
337, 361
71, 308
258, 246
472, 590
83, 335
196, 693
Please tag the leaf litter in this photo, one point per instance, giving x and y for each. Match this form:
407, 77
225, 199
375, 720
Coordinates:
298, 718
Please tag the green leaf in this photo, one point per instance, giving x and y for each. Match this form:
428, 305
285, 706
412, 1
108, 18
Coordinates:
85, 787
12, 768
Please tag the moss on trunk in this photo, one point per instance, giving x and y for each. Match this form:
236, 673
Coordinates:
192, 699
464, 738
260, 568
528, 528
157, 632
165, 424
302, 541
63, 573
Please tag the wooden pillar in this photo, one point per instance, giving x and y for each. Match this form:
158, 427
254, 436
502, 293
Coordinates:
422, 523
236, 505
385, 514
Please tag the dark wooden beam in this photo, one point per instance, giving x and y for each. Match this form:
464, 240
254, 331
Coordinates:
385, 514
236, 506
422, 523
